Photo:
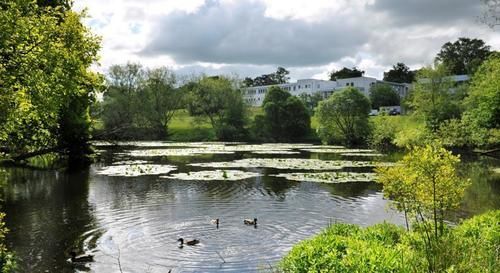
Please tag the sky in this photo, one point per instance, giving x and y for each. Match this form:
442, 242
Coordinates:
310, 38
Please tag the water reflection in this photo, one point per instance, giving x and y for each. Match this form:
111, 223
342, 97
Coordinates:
136, 221
47, 213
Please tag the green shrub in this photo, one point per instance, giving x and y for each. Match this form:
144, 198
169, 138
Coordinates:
348, 248
383, 134
473, 246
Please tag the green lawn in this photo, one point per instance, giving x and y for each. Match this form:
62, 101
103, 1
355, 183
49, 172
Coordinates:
184, 127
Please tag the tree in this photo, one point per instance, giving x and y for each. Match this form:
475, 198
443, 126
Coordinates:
160, 99
281, 75
400, 73
344, 117
285, 116
432, 97
483, 101
345, 73
47, 86
311, 101
383, 95
491, 13
121, 99
425, 186
463, 56
217, 99
278, 77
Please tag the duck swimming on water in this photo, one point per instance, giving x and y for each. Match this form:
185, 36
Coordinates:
189, 243
250, 222
215, 222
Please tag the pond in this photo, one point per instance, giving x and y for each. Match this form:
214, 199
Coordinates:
130, 207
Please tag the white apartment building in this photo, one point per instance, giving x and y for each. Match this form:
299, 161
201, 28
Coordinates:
254, 96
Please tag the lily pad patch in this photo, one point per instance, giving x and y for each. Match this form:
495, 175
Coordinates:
329, 177
337, 151
289, 163
136, 170
229, 175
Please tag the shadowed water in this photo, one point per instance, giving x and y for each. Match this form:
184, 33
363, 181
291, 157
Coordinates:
134, 222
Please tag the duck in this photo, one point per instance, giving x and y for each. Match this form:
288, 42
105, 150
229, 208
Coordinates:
189, 243
250, 222
215, 222
81, 258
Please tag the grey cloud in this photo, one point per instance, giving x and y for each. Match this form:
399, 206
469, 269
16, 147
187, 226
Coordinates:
239, 33
432, 12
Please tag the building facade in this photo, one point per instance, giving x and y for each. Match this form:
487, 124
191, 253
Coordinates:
255, 95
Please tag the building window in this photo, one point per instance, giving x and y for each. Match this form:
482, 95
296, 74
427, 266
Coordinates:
347, 84
318, 86
352, 84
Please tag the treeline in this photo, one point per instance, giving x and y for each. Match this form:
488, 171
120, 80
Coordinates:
461, 115
140, 103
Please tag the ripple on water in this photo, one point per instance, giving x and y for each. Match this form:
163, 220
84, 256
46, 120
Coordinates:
142, 221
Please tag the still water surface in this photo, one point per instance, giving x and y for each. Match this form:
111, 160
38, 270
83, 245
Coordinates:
134, 222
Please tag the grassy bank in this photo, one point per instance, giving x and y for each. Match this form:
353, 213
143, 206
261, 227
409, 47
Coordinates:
184, 127
472, 246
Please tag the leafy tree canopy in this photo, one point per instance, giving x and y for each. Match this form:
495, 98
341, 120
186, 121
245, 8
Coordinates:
433, 98
383, 95
217, 99
463, 56
344, 117
400, 73
345, 73
47, 86
286, 118
483, 102
278, 77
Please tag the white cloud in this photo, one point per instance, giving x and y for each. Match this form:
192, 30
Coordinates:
252, 37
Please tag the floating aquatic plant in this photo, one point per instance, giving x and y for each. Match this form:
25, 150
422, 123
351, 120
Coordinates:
329, 177
276, 152
133, 170
362, 154
130, 162
337, 151
290, 163
229, 175
176, 152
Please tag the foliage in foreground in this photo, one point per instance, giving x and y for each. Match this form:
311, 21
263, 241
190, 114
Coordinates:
46, 82
425, 185
470, 247
7, 260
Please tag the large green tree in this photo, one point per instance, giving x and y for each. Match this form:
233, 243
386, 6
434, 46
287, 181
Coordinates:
345, 73
483, 101
400, 73
47, 86
221, 102
344, 117
433, 98
463, 56
383, 95
139, 102
160, 99
120, 104
285, 116
278, 77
